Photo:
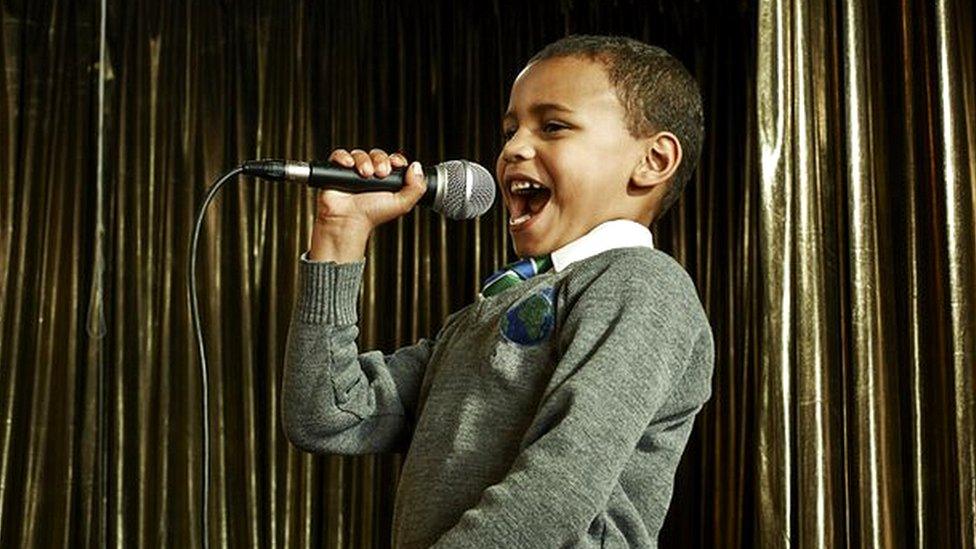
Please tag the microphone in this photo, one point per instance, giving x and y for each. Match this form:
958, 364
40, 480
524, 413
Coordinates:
456, 189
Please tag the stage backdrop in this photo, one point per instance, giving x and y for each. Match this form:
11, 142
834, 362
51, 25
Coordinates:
829, 229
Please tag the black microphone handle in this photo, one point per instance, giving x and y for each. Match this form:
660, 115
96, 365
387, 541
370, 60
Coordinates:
323, 175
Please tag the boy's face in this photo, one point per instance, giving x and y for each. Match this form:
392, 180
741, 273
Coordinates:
565, 129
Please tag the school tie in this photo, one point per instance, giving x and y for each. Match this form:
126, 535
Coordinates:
513, 273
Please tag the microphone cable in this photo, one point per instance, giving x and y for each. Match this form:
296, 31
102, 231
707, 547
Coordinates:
463, 190
198, 332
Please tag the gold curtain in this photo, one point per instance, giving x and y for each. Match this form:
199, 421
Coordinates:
829, 229
867, 148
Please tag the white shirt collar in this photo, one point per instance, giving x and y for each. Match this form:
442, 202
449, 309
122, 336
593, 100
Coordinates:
616, 233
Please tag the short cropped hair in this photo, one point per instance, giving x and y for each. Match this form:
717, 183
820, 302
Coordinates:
657, 92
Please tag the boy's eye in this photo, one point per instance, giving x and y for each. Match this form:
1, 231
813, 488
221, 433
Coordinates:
548, 127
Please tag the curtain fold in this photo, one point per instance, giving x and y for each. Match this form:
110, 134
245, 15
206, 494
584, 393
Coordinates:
830, 231
866, 151
957, 144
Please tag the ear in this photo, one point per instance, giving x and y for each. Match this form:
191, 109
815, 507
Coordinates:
661, 158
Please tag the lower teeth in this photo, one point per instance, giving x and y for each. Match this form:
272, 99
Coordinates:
521, 219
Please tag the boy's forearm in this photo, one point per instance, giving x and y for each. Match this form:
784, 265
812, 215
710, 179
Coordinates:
335, 400
338, 242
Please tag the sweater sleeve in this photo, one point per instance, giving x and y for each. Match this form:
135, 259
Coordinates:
335, 399
625, 342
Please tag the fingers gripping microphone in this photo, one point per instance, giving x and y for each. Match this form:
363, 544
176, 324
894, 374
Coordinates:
457, 189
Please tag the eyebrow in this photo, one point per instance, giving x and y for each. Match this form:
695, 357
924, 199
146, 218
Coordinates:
537, 108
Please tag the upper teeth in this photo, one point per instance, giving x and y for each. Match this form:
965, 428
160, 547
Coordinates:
522, 185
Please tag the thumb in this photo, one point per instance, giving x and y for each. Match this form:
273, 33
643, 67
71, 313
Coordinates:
415, 185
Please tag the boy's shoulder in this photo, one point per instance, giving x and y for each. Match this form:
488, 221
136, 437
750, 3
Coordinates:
638, 274
636, 267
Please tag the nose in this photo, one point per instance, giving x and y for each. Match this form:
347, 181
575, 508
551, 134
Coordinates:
517, 148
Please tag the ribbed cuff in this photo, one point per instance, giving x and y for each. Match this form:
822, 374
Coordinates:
328, 292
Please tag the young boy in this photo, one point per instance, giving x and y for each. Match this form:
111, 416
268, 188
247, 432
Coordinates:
551, 412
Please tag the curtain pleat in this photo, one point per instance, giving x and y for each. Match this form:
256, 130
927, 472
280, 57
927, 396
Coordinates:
866, 151
829, 229
956, 142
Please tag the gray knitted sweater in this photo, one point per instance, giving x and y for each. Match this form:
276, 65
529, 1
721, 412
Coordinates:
552, 414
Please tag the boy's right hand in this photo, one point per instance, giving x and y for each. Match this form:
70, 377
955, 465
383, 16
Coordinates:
373, 208
344, 221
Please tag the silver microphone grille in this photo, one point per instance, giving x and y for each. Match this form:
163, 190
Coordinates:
468, 189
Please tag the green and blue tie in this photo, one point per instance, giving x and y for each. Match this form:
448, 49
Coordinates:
513, 273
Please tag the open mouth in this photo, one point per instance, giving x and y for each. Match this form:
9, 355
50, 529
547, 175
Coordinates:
528, 199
